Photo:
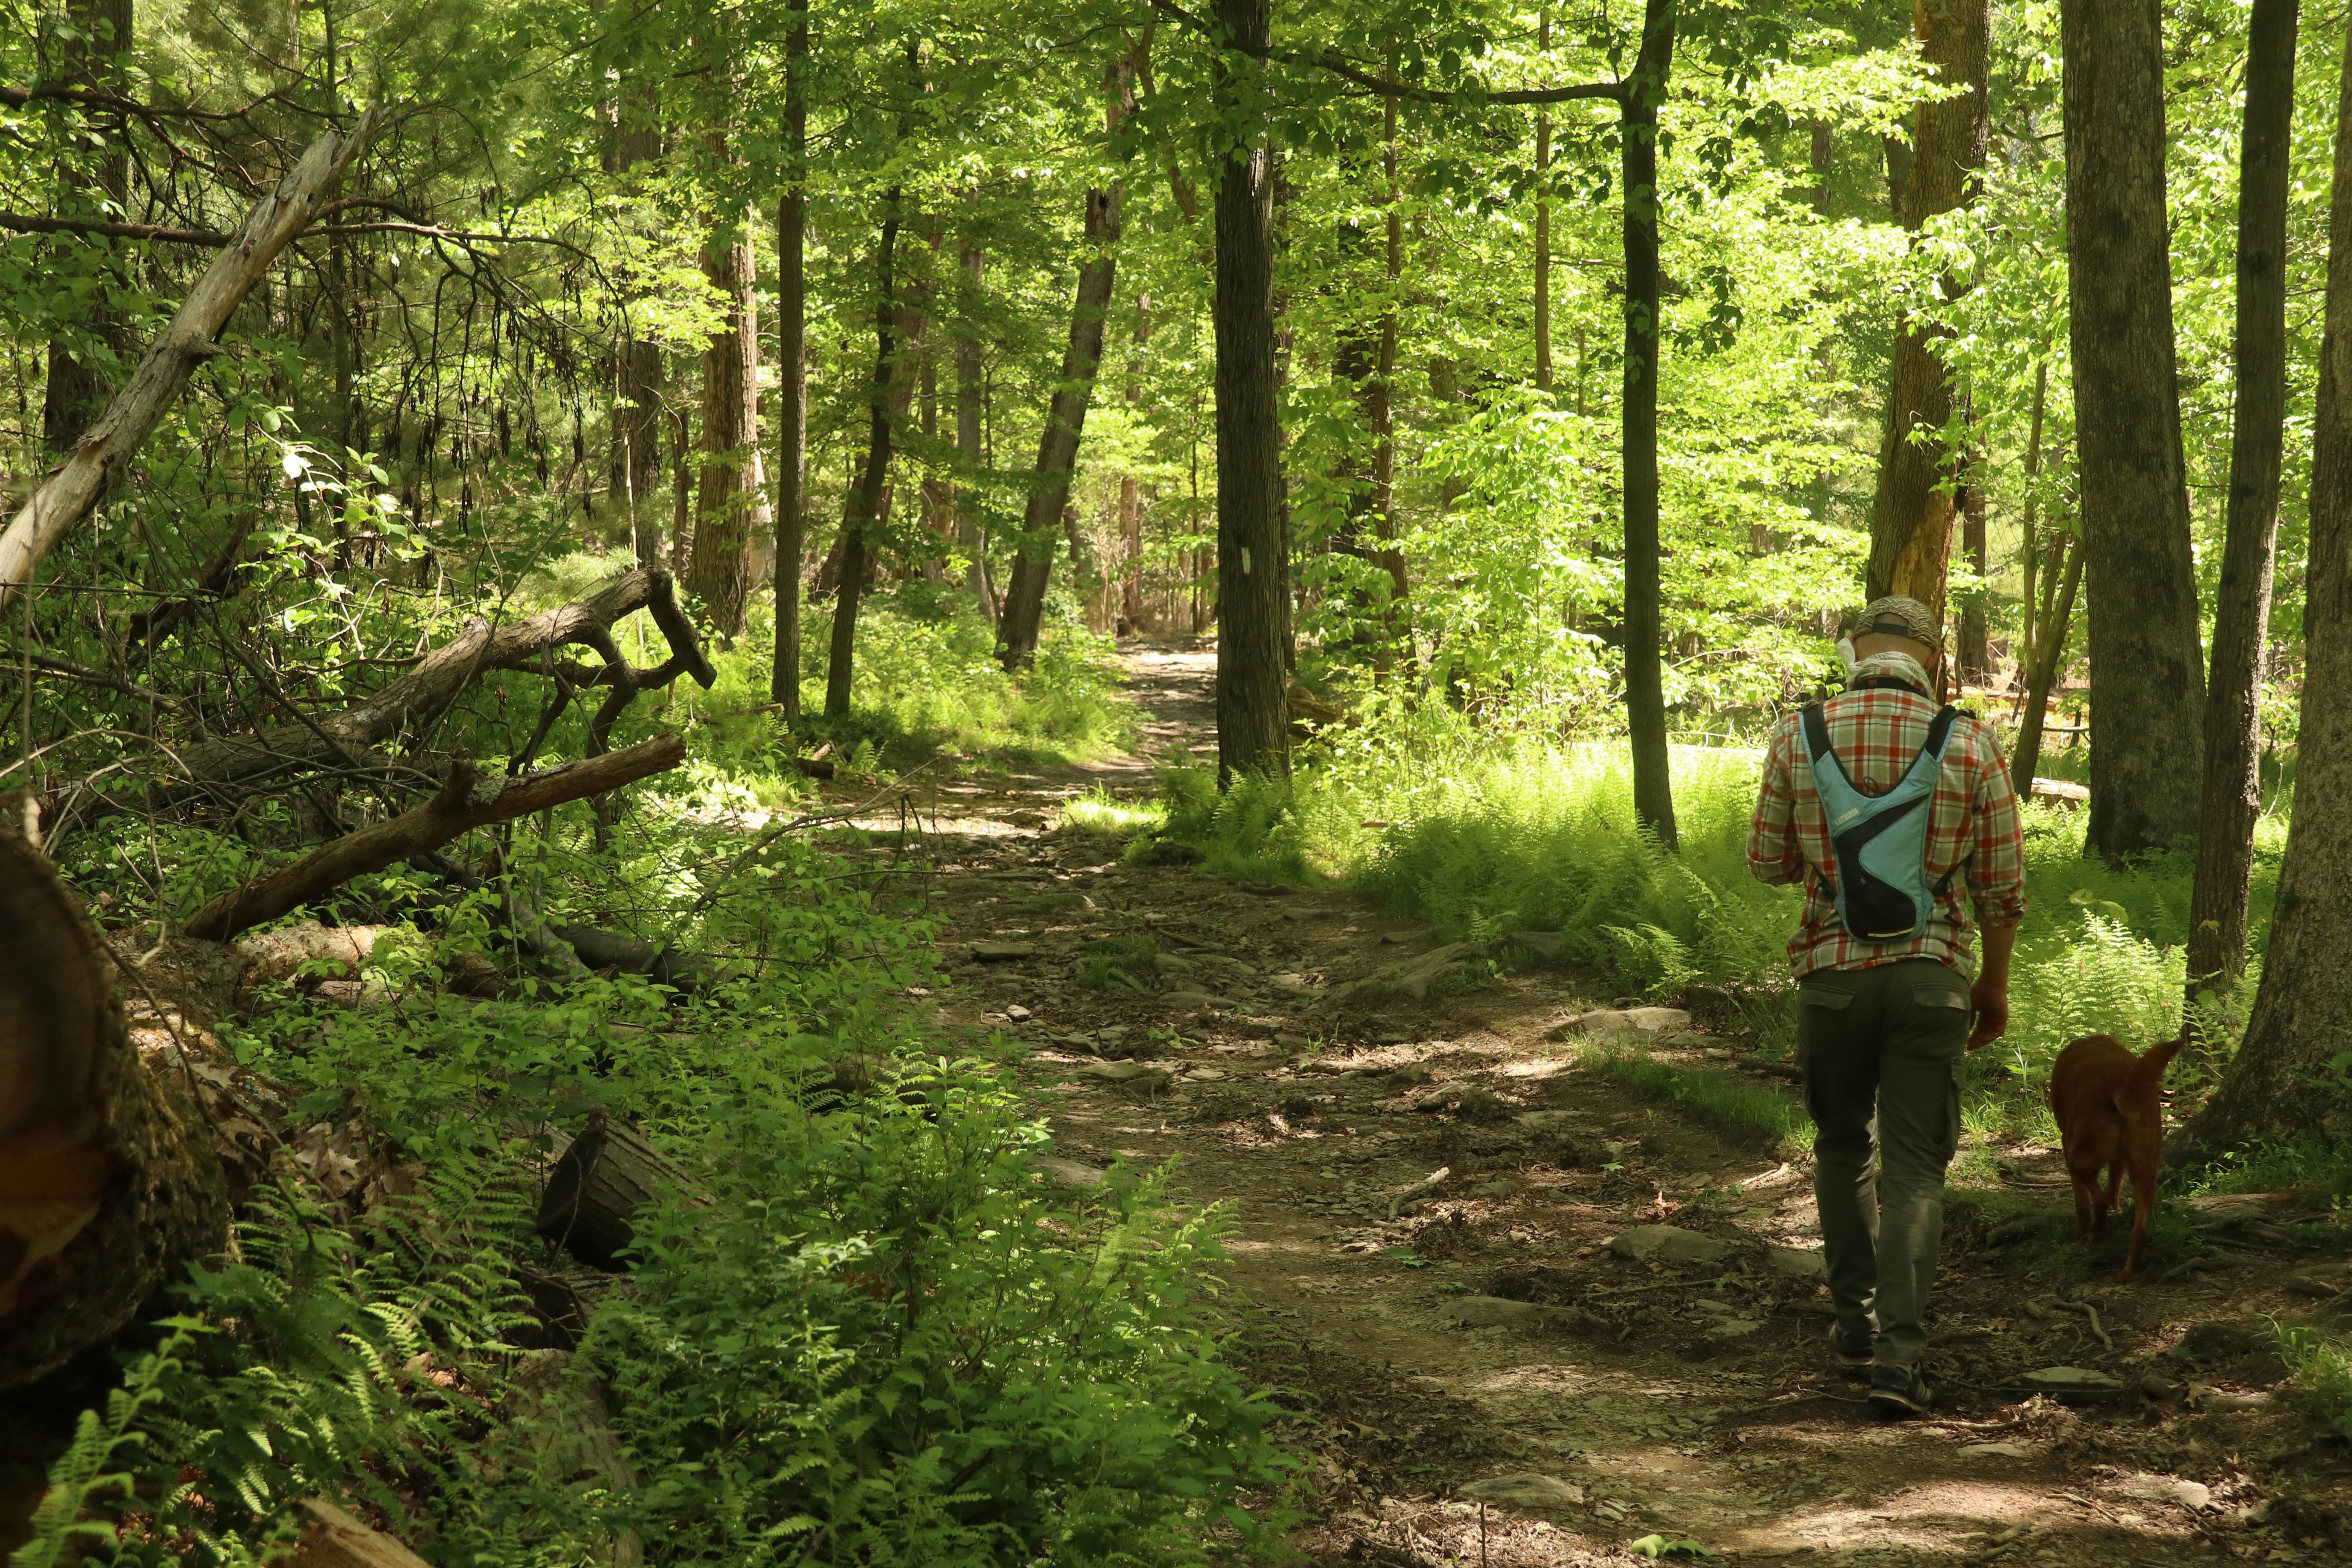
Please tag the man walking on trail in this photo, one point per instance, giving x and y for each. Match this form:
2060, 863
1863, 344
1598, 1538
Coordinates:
1888, 806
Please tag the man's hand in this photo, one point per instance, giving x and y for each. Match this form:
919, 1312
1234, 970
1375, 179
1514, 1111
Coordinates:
1988, 1004
1989, 997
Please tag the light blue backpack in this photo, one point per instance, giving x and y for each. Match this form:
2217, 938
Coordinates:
1880, 841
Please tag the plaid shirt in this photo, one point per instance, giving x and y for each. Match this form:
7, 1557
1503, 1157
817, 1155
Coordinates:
1876, 732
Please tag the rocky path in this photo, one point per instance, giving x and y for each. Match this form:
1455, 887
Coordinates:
1528, 1315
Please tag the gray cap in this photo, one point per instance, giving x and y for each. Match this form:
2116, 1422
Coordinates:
1895, 615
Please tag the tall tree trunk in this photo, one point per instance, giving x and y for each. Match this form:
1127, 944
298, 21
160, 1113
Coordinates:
1252, 557
1975, 653
2231, 797
2029, 545
2280, 1084
1645, 697
1066, 412
1395, 630
865, 500
791, 375
722, 523
2043, 673
636, 360
682, 481
1910, 531
2149, 675
970, 538
1543, 212
76, 392
1130, 493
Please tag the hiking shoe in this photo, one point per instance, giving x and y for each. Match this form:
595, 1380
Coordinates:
1850, 1352
1899, 1391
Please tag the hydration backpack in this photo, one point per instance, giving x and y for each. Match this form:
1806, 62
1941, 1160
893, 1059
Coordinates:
1880, 841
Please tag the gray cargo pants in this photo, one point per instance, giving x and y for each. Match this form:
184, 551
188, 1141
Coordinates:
1881, 1051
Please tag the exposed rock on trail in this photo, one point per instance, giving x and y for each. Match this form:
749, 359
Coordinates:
1522, 1311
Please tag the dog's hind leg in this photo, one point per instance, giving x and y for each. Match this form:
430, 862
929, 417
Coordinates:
2083, 1192
2107, 1199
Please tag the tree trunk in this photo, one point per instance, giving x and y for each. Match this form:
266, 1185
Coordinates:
105, 450
636, 360
792, 378
1253, 558
75, 393
598, 1185
109, 1180
1645, 700
1974, 652
969, 537
1543, 211
2231, 797
721, 569
681, 478
1911, 523
865, 500
2029, 545
2280, 1084
2146, 718
2043, 675
1065, 415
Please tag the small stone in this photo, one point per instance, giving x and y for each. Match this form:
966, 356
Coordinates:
1117, 1072
1606, 1021
2159, 1388
1169, 963
1797, 1262
1667, 1244
1065, 1173
1287, 982
1204, 1075
1018, 1013
1501, 1187
1997, 1450
1496, 1312
2075, 1380
1535, 1493
1413, 1075
1001, 952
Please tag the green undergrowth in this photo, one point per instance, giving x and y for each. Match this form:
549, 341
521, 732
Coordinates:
857, 1329
1478, 832
1725, 1101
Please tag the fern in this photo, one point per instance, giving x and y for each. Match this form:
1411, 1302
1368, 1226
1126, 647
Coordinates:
81, 1474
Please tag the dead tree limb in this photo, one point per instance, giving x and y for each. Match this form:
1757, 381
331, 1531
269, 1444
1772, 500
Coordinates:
438, 680
109, 1182
97, 461
465, 801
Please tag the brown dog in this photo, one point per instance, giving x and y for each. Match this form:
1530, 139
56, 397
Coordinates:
2111, 1117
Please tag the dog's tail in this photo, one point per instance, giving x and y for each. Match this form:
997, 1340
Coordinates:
2148, 1072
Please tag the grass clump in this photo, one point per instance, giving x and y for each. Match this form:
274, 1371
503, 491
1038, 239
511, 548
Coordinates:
1124, 959
1096, 812
2320, 1361
1721, 1100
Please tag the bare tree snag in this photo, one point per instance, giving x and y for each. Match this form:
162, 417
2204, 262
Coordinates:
466, 801
108, 1182
443, 676
105, 450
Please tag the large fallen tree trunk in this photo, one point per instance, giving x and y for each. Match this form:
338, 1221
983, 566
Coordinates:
109, 1179
98, 458
228, 766
465, 801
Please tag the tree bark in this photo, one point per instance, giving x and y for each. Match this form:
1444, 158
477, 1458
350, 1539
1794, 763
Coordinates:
1645, 701
1911, 521
2280, 1084
637, 361
75, 394
109, 1180
1130, 493
2043, 675
1974, 654
722, 570
100, 459
791, 378
865, 500
1253, 549
599, 1183
1065, 415
2230, 794
2146, 718
465, 801
2029, 544
969, 537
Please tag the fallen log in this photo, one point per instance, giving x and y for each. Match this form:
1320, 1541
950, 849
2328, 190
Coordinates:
597, 1185
465, 801
109, 1182
99, 459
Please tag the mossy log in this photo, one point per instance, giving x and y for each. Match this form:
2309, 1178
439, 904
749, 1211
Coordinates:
598, 1184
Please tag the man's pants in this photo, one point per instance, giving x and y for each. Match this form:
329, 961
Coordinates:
1888, 1039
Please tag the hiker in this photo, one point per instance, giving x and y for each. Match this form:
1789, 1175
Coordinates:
1891, 807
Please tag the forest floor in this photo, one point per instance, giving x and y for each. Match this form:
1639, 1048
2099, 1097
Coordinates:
1483, 1377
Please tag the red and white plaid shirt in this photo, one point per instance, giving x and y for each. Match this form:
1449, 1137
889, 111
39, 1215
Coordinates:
1876, 732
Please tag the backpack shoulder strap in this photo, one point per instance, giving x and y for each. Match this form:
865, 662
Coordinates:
1817, 733
1940, 731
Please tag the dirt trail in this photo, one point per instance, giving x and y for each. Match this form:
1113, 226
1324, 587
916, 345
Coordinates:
1482, 1329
